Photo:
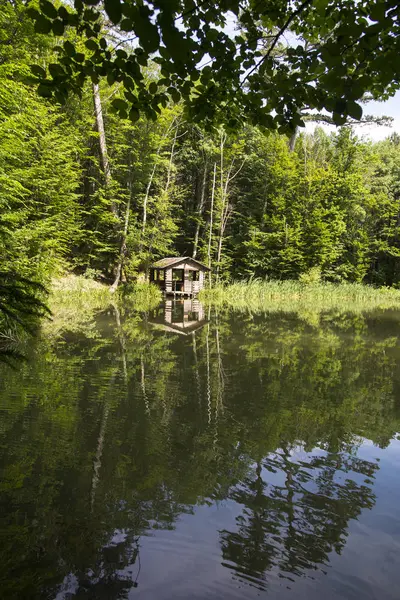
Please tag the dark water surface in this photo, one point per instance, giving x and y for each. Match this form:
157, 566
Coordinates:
157, 456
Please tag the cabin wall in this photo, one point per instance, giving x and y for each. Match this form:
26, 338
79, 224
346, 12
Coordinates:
168, 280
168, 311
187, 287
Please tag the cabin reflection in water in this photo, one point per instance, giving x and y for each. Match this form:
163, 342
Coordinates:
179, 316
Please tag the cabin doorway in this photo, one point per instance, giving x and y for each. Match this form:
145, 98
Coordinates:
178, 280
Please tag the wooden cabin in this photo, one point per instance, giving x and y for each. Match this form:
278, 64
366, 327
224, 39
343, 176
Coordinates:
179, 275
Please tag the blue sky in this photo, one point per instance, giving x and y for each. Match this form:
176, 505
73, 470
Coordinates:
390, 108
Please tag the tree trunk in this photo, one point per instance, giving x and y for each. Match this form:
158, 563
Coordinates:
146, 199
293, 138
211, 220
122, 251
200, 211
224, 200
208, 389
102, 143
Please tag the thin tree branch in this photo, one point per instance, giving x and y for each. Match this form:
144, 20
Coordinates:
294, 14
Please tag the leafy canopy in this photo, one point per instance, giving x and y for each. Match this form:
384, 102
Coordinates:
281, 56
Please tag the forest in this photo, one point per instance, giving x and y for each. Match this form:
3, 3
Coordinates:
251, 433
87, 191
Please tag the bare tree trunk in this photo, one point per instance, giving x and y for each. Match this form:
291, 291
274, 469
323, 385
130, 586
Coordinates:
99, 452
211, 220
292, 140
225, 213
221, 371
143, 385
121, 338
146, 199
224, 198
208, 388
196, 367
122, 251
226, 209
102, 142
200, 211
171, 161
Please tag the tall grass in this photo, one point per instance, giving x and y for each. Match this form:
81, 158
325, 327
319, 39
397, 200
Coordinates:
288, 296
75, 300
141, 296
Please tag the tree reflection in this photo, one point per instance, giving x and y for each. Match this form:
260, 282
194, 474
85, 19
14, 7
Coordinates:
116, 429
292, 527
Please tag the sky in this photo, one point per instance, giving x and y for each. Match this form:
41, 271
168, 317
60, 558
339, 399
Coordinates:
390, 108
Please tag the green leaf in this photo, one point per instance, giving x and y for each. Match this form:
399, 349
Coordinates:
134, 114
69, 48
113, 10
33, 13
60, 97
338, 119
39, 71
354, 109
58, 27
111, 79
153, 88
129, 96
91, 44
119, 104
175, 95
377, 11
90, 15
126, 25
63, 13
48, 9
56, 70
142, 60
146, 31
44, 90
42, 25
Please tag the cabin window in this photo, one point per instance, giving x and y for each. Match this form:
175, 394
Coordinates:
177, 275
161, 275
193, 275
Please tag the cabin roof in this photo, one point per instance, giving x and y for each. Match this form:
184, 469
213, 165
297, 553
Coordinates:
173, 261
178, 328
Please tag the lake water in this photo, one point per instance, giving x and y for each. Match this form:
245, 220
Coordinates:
205, 455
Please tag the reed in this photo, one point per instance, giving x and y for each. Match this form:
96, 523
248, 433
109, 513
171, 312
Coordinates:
288, 296
141, 296
75, 300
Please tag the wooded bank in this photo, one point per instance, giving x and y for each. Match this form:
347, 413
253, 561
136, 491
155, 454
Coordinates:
85, 191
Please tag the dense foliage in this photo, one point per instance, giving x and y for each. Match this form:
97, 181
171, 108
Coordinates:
283, 57
83, 189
